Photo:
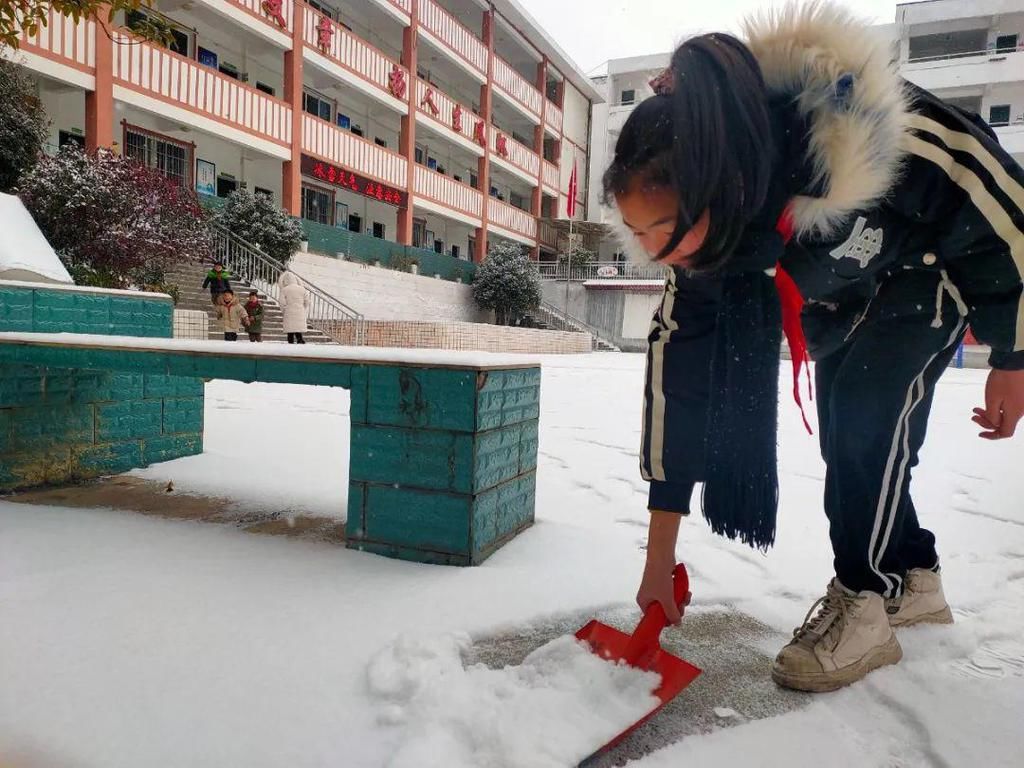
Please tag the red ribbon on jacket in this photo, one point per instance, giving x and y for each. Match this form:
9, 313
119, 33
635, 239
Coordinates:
792, 304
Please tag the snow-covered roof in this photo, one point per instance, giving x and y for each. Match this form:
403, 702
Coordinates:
24, 253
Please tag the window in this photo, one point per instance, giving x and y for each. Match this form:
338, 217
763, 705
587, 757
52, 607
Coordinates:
439, 246
379, 230
628, 96
263, 191
226, 185
419, 229
428, 238
999, 114
66, 137
474, 182
357, 130
141, 21
230, 70
420, 154
355, 223
265, 88
324, 8
171, 158
317, 204
1006, 44
341, 215
455, 251
471, 248
516, 200
317, 105
380, 142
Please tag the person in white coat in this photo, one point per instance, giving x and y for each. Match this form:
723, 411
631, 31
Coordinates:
294, 301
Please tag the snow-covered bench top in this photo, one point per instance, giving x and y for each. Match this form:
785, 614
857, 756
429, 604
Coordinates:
417, 358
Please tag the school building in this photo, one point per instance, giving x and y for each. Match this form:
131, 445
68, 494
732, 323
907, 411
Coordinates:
436, 124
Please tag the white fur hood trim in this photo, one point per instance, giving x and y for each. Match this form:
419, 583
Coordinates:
856, 139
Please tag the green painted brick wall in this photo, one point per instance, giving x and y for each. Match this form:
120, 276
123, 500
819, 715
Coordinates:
60, 424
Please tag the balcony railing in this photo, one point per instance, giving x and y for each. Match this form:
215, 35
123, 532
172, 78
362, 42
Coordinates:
965, 55
446, 191
517, 87
446, 110
168, 77
404, 5
553, 117
350, 51
551, 175
346, 149
512, 218
64, 41
600, 270
255, 7
515, 153
444, 26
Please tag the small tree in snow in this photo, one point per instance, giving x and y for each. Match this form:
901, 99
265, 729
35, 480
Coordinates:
23, 124
114, 222
255, 217
507, 283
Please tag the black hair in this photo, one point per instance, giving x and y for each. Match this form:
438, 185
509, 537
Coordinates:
254, 292
229, 291
708, 138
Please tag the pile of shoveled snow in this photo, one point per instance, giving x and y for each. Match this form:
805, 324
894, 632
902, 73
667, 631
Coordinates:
556, 708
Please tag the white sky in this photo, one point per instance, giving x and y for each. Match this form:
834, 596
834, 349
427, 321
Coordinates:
593, 31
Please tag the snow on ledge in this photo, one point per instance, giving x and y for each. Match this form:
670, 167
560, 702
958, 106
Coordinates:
440, 358
625, 284
84, 289
25, 253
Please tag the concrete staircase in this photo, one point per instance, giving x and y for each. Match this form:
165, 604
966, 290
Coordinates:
548, 317
191, 295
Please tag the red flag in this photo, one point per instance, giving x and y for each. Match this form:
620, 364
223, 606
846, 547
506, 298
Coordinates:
570, 206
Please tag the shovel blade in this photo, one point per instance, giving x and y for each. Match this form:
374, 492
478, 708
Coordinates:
610, 644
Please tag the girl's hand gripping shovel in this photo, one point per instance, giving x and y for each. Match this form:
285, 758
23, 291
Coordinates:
643, 651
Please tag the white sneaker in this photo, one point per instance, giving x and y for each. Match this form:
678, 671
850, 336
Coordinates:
922, 601
848, 637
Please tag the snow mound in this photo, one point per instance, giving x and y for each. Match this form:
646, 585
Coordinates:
24, 253
559, 706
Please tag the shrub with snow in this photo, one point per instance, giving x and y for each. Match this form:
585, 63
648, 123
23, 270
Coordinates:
255, 218
23, 124
114, 222
507, 283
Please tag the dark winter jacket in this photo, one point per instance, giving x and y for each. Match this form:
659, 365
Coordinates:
217, 281
887, 183
255, 312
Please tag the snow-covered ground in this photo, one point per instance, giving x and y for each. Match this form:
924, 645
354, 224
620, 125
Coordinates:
132, 641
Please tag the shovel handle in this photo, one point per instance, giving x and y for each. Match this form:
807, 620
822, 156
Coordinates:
644, 641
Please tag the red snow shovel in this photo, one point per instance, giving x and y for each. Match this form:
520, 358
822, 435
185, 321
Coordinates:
643, 650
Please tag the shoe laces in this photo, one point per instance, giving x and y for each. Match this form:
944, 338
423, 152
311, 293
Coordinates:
832, 611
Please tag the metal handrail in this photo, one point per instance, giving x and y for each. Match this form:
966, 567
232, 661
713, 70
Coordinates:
327, 314
563, 321
993, 51
599, 270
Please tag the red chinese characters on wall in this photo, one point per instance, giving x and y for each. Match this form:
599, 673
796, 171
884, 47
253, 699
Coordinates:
457, 118
428, 100
340, 177
396, 82
502, 145
324, 34
273, 9
478, 134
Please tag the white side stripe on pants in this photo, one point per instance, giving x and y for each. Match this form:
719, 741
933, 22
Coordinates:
885, 514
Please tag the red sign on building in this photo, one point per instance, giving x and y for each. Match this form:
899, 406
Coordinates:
338, 176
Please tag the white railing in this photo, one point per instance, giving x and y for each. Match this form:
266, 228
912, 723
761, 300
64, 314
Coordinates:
515, 153
175, 80
353, 152
327, 314
404, 5
444, 26
512, 218
350, 51
255, 7
560, 320
600, 270
993, 51
553, 116
551, 175
446, 191
517, 86
446, 109
64, 41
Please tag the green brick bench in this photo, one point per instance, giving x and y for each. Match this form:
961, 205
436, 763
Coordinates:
443, 444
